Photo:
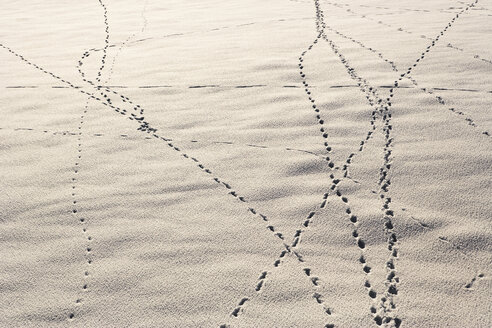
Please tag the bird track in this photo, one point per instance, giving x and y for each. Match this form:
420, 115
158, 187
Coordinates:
146, 127
75, 210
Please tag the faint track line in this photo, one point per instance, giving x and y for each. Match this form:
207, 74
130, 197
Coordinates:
75, 210
128, 39
214, 29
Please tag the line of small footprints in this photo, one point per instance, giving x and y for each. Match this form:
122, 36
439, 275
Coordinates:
374, 113
66, 82
378, 319
324, 133
392, 279
440, 99
370, 95
127, 40
75, 211
485, 60
83, 220
453, 110
384, 108
106, 42
101, 89
387, 302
